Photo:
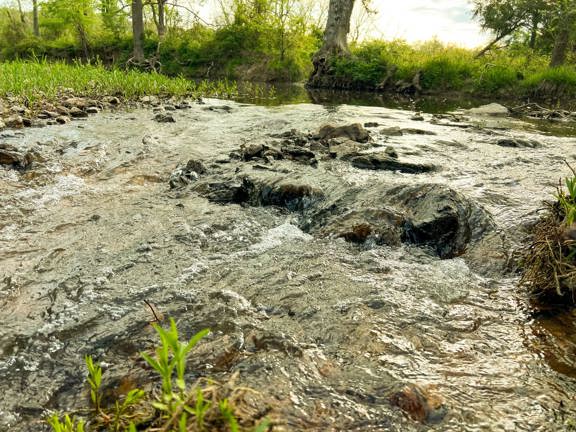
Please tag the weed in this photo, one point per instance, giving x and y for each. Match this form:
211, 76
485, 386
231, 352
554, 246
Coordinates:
67, 425
95, 381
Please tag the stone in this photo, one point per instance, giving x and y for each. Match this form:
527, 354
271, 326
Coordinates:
286, 193
392, 131
76, 112
112, 100
380, 225
10, 155
355, 132
412, 131
341, 147
299, 154
92, 110
18, 109
251, 151
492, 109
518, 143
62, 110
76, 102
63, 119
384, 162
2, 124
164, 118
14, 122
183, 176
219, 108
371, 124
440, 218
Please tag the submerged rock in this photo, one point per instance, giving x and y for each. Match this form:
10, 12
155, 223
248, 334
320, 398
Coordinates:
420, 404
386, 162
183, 176
518, 143
355, 132
15, 122
282, 192
10, 155
440, 218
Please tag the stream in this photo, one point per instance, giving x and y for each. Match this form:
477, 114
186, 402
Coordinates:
318, 304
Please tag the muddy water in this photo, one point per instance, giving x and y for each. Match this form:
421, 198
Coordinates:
326, 329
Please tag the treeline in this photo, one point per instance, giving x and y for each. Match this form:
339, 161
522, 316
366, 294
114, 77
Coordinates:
545, 26
258, 39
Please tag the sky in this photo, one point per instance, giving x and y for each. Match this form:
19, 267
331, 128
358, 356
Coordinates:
416, 20
449, 21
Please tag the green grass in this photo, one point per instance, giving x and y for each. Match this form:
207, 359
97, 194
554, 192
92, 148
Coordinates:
512, 72
42, 80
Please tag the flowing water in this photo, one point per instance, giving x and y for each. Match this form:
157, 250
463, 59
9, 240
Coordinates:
326, 329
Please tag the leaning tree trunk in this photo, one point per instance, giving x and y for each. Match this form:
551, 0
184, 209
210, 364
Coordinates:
138, 30
35, 23
161, 19
335, 44
562, 41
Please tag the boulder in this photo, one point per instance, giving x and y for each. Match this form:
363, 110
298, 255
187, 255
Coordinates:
10, 155
299, 154
386, 162
282, 192
419, 403
413, 131
440, 218
380, 225
76, 102
77, 112
355, 132
493, 109
92, 110
14, 121
112, 100
162, 117
63, 119
392, 131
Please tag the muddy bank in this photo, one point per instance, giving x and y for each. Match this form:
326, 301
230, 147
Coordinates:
331, 278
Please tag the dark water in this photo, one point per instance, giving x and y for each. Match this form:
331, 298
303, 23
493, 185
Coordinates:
327, 328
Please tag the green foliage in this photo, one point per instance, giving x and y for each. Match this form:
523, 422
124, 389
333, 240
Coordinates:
95, 381
171, 355
66, 425
567, 201
42, 80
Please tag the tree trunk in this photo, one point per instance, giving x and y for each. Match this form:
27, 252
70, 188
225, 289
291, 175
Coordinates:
161, 19
534, 29
22, 16
335, 44
562, 40
138, 30
36, 25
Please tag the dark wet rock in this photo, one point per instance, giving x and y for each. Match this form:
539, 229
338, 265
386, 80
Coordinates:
518, 143
251, 151
417, 117
10, 155
382, 161
62, 119
219, 108
341, 147
76, 112
27, 122
371, 124
299, 154
14, 122
112, 100
440, 218
183, 105
413, 131
44, 114
282, 192
391, 152
92, 110
420, 404
162, 117
293, 137
62, 110
227, 191
379, 225
392, 131
169, 107
185, 175
355, 132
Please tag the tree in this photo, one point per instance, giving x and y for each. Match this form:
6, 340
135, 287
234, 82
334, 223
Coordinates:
335, 42
113, 17
138, 30
566, 20
35, 21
